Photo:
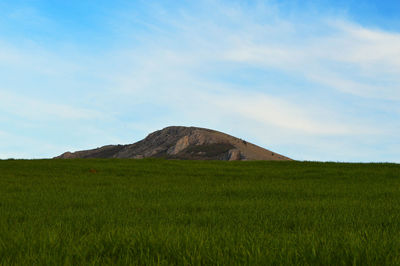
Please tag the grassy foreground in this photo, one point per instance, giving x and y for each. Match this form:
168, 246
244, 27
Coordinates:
74, 212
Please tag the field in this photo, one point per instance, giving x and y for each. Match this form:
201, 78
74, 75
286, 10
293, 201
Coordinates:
124, 212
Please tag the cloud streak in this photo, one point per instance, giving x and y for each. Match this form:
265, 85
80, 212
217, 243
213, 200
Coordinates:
29, 108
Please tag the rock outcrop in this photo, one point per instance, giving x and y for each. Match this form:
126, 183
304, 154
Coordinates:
176, 142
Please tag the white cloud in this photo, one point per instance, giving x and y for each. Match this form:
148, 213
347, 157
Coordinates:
348, 57
278, 113
178, 77
29, 108
33, 58
367, 47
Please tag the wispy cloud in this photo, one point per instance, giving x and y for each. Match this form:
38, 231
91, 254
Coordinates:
346, 57
171, 72
29, 108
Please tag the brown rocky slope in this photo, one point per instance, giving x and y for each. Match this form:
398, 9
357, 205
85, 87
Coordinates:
176, 142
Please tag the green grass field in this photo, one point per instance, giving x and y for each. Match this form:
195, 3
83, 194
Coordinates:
124, 212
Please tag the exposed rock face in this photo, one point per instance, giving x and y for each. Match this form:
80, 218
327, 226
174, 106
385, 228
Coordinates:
183, 143
234, 155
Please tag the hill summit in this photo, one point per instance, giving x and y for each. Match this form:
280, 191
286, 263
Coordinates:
176, 142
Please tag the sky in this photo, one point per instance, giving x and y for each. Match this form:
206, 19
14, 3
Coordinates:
312, 80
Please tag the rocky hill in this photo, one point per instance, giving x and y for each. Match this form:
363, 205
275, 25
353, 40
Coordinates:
176, 142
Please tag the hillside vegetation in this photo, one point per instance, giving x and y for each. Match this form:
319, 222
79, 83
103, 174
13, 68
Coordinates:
155, 211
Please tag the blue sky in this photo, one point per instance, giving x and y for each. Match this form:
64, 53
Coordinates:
313, 80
